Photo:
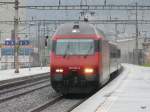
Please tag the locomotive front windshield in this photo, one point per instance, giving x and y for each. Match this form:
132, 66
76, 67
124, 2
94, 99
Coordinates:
74, 47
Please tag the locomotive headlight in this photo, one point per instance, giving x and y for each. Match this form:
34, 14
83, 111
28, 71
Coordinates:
88, 70
59, 70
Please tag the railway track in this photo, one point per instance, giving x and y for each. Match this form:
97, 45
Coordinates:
47, 101
22, 86
15, 89
21, 81
47, 105
74, 106
18, 88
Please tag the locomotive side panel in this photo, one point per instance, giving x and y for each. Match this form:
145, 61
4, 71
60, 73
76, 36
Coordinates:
105, 61
114, 58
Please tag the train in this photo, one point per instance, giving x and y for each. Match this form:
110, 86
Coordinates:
82, 58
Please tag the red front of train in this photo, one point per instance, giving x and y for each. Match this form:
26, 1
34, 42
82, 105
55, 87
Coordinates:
75, 59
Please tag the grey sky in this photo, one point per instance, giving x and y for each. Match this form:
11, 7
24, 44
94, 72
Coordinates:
54, 2
73, 14
36, 14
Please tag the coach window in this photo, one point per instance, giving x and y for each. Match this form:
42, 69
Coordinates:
118, 53
112, 53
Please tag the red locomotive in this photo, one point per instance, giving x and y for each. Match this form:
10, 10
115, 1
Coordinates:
82, 59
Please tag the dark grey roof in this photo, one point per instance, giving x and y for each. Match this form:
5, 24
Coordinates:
84, 28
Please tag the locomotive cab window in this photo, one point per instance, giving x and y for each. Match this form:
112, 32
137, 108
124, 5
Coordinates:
75, 47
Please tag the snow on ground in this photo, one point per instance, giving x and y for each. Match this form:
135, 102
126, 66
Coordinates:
9, 74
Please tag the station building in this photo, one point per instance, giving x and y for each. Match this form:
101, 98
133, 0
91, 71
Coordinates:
7, 14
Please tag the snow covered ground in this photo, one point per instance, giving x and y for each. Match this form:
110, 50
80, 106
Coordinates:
9, 74
130, 92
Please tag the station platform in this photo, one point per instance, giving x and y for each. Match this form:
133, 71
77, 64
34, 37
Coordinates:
129, 92
23, 72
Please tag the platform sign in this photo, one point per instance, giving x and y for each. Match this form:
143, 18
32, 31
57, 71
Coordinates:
7, 51
25, 47
25, 51
24, 42
21, 42
10, 51
9, 42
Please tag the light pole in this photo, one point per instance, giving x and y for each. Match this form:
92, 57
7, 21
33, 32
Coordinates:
136, 27
116, 31
16, 37
0, 36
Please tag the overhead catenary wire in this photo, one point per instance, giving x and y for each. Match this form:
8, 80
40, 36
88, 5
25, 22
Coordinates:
86, 7
96, 21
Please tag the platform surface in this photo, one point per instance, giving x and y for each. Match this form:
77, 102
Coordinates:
9, 74
129, 92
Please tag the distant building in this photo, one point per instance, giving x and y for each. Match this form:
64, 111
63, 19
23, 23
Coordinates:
146, 48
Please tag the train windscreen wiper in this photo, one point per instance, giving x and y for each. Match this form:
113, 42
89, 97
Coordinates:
66, 50
91, 47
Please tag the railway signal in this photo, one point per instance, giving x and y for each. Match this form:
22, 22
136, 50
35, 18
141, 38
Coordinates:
46, 41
